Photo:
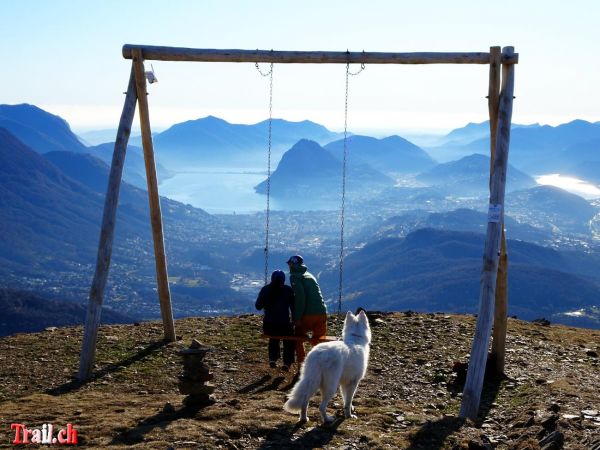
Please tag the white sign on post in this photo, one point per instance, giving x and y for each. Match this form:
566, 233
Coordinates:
495, 212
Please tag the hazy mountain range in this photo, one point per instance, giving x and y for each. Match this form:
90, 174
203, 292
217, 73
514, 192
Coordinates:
214, 142
471, 174
51, 207
437, 270
425, 254
534, 149
390, 155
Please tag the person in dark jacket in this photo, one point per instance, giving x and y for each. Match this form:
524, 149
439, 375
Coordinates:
310, 314
277, 300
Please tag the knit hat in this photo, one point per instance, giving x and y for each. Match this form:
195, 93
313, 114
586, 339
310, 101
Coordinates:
295, 260
278, 277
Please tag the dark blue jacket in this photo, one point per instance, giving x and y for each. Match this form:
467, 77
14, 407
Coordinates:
278, 303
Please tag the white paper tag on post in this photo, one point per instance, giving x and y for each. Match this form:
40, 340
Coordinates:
495, 212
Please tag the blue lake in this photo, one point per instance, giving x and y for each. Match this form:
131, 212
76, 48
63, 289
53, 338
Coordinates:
228, 191
217, 192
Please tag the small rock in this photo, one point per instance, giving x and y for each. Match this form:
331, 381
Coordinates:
554, 441
541, 321
474, 445
592, 354
590, 412
570, 416
549, 423
50, 329
554, 407
524, 423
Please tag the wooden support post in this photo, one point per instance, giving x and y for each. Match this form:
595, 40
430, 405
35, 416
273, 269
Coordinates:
162, 280
500, 310
107, 233
494, 102
481, 339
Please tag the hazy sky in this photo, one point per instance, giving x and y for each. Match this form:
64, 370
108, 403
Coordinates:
65, 56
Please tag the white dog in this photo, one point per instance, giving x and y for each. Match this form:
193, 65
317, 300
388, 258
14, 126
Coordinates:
333, 364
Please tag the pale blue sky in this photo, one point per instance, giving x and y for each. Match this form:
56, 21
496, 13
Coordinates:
65, 56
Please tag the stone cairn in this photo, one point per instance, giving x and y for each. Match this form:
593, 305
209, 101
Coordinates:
194, 382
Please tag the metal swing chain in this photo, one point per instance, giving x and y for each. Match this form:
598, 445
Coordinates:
268, 212
344, 164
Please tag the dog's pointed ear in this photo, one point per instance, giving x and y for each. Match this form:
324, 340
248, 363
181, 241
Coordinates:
362, 316
349, 314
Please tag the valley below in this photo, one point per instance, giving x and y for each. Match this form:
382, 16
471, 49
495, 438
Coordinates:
413, 228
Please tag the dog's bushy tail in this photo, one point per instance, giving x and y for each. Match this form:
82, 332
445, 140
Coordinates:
305, 388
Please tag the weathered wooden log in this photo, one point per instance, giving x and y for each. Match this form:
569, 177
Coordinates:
481, 340
162, 278
309, 57
494, 102
500, 310
107, 233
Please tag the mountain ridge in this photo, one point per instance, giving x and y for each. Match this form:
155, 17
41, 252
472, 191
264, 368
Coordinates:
392, 154
39, 129
307, 169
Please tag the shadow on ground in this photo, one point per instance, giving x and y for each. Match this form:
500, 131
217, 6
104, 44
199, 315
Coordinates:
261, 385
292, 436
433, 434
162, 419
75, 384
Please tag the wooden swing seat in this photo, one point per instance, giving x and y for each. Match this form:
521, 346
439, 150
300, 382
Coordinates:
301, 338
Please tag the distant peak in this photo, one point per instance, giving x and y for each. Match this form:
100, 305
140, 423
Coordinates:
476, 124
475, 157
211, 118
394, 138
27, 108
578, 122
22, 106
306, 144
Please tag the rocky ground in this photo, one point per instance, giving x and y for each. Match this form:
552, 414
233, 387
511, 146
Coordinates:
550, 398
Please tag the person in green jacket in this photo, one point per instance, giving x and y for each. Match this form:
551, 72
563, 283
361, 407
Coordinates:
310, 313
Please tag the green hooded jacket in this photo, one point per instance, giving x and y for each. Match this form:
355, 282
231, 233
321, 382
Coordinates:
307, 294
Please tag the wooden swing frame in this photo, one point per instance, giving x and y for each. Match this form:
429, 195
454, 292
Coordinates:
493, 291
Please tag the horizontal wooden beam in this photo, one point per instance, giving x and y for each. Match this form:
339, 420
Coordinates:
297, 57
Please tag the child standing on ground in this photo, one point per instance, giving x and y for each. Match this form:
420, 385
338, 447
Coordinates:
277, 300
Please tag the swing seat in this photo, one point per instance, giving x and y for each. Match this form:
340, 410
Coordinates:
301, 338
